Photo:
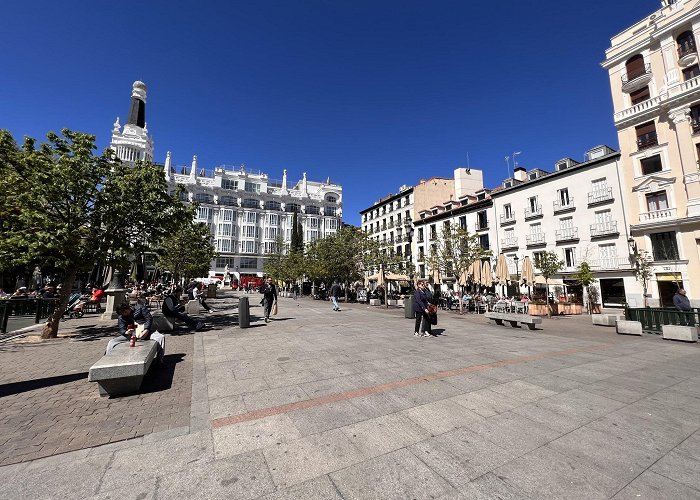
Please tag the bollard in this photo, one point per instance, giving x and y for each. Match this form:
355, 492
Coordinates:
408, 308
243, 312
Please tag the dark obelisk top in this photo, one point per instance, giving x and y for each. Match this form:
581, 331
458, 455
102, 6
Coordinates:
137, 112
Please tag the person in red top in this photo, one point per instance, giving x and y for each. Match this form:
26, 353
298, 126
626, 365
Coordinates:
97, 294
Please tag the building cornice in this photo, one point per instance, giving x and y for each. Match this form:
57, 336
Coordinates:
455, 211
386, 200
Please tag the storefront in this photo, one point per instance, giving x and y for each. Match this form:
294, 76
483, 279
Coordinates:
612, 292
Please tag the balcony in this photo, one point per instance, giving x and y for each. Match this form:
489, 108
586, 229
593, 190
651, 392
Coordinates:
610, 263
561, 206
407, 221
507, 219
509, 243
532, 212
600, 196
603, 229
657, 215
570, 234
481, 225
687, 53
636, 79
535, 239
390, 225
646, 141
420, 240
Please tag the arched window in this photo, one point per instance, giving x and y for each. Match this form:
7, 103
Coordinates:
204, 198
311, 209
228, 200
292, 207
686, 44
635, 67
251, 203
331, 198
273, 205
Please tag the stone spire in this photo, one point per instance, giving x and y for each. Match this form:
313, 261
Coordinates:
168, 165
193, 170
137, 112
304, 187
284, 181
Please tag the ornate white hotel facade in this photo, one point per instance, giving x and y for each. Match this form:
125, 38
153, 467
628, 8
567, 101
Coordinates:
245, 210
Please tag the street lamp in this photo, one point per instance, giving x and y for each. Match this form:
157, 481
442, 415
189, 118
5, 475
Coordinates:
517, 272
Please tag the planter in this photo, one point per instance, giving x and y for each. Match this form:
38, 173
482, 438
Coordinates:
537, 309
392, 302
566, 308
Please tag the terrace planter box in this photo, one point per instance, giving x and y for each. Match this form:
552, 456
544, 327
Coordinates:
537, 309
392, 302
566, 308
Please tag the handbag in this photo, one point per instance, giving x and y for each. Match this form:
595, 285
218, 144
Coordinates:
432, 309
433, 318
274, 309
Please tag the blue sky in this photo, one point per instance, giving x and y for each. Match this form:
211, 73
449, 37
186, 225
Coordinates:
374, 94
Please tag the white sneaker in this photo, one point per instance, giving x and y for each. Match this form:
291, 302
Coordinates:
416, 334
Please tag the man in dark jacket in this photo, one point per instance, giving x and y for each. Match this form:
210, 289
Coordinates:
681, 301
140, 316
335, 293
269, 291
173, 309
421, 300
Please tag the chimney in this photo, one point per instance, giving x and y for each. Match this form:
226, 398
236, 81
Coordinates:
519, 174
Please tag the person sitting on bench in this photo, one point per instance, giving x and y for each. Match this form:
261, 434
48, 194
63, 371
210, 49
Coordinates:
140, 316
173, 309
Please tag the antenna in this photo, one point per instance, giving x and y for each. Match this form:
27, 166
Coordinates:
515, 161
468, 166
507, 158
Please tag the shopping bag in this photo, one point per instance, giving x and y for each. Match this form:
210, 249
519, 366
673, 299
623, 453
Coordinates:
274, 309
433, 319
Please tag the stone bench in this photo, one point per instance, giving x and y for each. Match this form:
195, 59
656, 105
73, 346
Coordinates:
193, 308
375, 302
514, 319
678, 332
122, 370
626, 327
163, 324
606, 319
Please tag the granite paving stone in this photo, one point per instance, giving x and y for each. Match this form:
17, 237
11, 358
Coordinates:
320, 487
381, 435
652, 485
252, 435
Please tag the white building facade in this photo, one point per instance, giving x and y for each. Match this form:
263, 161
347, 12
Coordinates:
578, 212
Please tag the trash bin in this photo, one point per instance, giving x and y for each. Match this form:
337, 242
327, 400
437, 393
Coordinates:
243, 312
211, 291
408, 308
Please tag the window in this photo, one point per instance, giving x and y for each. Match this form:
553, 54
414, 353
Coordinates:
532, 204
695, 118
691, 72
224, 261
184, 196
204, 198
535, 228
508, 236
225, 230
421, 253
229, 184
313, 222
252, 187
463, 222
311, 235
664, 246
227, 215
250, 217
646, 135
331, 199
203, 213
686, 44
651, 165
273, 219
228, 200
640, 95
537, 258
421, 270
330, 211
249, 247
249, 263
250, 231
484, 241
223, 245
608, 256
292, 207
273, 205
635, 68
563, 195
566, 223
570, 257
311, 209
657, 201
250, 203
271, 233
433, 232
507, 211
420, 235
332, 224
482, 219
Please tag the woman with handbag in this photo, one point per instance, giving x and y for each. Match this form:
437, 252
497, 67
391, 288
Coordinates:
421, 307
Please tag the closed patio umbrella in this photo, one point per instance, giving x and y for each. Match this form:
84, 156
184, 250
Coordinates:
475, 271
502, 273
528, 271
486, 275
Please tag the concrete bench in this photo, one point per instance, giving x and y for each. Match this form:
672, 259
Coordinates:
678, 332
163, 324
193, 308
375, 302
606, 319
626, 327
122, 370
514, 319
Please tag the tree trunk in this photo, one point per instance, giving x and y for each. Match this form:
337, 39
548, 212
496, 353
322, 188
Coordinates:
50, 330
549, 306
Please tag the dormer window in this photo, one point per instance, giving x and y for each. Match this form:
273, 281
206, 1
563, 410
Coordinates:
481, 196
507, 184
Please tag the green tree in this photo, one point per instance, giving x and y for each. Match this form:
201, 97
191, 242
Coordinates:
297, 243
549, 264
584, 276
65, 206
455, 251
643, 271
379, 257
188, 251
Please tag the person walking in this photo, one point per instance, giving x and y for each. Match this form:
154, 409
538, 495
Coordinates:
680, 300
421, 302
335, 293
269, 291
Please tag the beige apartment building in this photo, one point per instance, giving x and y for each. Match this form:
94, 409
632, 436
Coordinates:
655, 84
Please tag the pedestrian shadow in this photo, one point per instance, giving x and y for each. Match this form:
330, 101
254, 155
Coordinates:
40, 383
438, 331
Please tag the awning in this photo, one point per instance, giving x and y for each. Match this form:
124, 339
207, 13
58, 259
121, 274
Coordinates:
539, 280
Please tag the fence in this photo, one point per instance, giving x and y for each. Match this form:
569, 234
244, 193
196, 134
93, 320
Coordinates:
653, 318
37, 308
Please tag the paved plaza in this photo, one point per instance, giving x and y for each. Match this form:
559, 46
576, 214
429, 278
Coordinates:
321, 404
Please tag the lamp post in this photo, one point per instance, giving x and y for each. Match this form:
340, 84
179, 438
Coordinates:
517, 272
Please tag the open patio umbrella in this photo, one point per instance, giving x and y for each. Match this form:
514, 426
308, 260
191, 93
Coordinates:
502, 273
486, 275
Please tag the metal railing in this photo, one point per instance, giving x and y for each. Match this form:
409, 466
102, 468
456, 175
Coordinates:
481, 225
653, 318
633, 75
686, 48
647, 140
560, 206
37, 308
566, 234
603, 229
535, 239
510, 243
600, 196
507, 218
533, 211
